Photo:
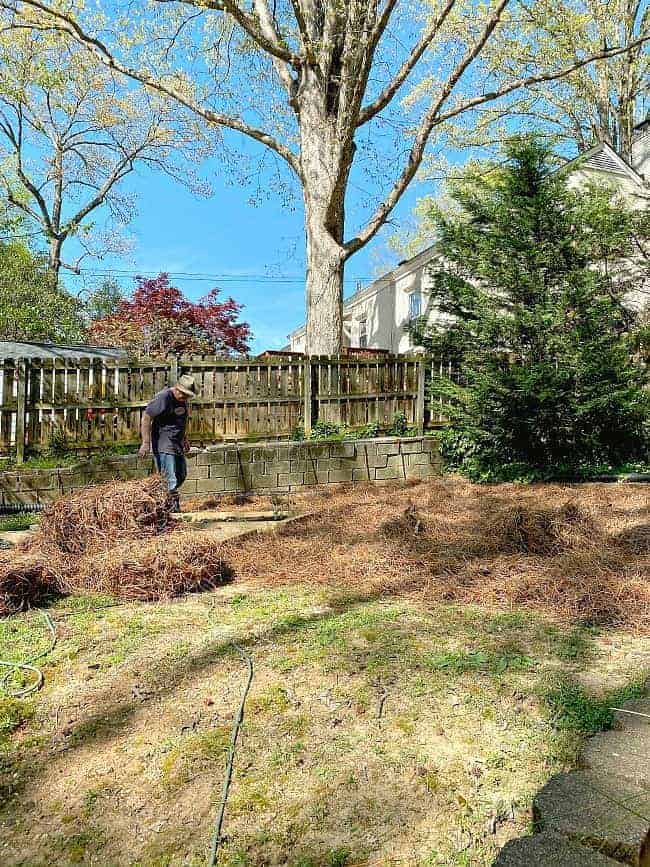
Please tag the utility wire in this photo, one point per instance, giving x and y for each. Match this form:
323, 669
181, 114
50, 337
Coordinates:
188, 275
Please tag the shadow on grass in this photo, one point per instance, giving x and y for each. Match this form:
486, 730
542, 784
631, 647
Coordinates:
343, 638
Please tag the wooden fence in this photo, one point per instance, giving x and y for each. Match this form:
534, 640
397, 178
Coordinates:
97, 402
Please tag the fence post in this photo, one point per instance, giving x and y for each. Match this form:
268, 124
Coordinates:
419, 405
173, 370
307, 396
21, 410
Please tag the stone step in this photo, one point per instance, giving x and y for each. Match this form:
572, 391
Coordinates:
611, 817
634, 715
624, 754
550, 850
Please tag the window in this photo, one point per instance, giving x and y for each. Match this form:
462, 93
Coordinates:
415, 305
363, 333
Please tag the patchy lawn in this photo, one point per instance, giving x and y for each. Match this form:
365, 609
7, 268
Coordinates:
386, 724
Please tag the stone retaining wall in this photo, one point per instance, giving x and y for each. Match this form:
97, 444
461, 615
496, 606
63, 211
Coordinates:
264, 467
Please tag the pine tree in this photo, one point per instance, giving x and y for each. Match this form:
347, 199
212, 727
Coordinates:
531, 280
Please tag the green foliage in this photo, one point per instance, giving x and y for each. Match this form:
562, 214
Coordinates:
324, 430
13, 713
20, 521
539, 330
573, 709
33, 306
105, 300
58, 445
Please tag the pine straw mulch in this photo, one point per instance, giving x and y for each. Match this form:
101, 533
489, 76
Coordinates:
96, 517
578, 552
116, 538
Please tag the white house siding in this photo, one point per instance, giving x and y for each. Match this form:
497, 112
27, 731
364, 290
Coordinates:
384, 306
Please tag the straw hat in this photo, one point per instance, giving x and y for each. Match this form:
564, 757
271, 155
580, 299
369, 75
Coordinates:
187, 385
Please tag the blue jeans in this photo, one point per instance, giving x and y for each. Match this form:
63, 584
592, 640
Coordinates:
173, 468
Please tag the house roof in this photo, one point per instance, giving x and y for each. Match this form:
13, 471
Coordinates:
603, 158
27, 349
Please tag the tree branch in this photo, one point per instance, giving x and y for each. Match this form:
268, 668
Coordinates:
269, 31
433, 118
423, 133
270, 44
385, 97
69, 25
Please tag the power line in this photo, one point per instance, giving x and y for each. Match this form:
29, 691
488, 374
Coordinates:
189, 275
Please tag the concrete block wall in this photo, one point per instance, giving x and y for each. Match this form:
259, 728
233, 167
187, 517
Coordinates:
268, 467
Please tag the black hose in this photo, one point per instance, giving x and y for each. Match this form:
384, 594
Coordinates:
218, 825
20, 508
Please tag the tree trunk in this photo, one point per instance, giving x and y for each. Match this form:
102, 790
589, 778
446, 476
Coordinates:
325, 168
54, 257
324, 291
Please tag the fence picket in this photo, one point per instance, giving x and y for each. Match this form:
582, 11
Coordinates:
95, 401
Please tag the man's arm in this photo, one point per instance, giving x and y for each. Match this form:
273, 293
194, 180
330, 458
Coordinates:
145, 431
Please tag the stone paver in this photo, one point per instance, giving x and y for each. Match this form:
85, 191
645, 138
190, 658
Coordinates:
600, 814
636, 716
550, 850
624, 754
15, 537
609, 815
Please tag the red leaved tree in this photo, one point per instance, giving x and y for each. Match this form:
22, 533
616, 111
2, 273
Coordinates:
158, 319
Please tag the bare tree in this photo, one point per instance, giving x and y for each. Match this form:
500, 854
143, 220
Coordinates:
70, 133
313, 81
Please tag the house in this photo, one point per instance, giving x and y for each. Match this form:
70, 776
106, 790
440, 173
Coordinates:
378, 315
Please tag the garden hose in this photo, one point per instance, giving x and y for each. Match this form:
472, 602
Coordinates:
216, 836
39, 678
15, 667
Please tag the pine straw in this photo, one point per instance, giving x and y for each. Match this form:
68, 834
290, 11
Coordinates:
156, 569
97, 517
114, 538
27, 578
575, 552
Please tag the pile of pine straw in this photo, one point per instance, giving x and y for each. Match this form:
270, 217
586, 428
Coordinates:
97, 517
579, 552
116, 538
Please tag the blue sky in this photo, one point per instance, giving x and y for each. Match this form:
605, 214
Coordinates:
225, 234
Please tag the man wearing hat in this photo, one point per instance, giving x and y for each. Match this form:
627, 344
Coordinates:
163, 432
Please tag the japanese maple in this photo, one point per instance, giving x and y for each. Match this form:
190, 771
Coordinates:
158, 319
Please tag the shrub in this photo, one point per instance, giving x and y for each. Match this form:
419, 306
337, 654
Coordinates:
539, 325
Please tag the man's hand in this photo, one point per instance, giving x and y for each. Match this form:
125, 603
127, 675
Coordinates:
186, 445
144, 450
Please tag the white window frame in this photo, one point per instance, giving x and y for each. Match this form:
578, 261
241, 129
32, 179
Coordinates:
417, 293
363, 333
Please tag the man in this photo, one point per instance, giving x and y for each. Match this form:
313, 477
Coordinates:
164, 422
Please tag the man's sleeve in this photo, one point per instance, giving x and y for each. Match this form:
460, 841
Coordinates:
156, 406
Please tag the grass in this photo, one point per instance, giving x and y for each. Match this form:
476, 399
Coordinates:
573, 709
50, 460
20, 521
124, 748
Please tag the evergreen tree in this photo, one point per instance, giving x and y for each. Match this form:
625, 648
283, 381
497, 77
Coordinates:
532, 282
